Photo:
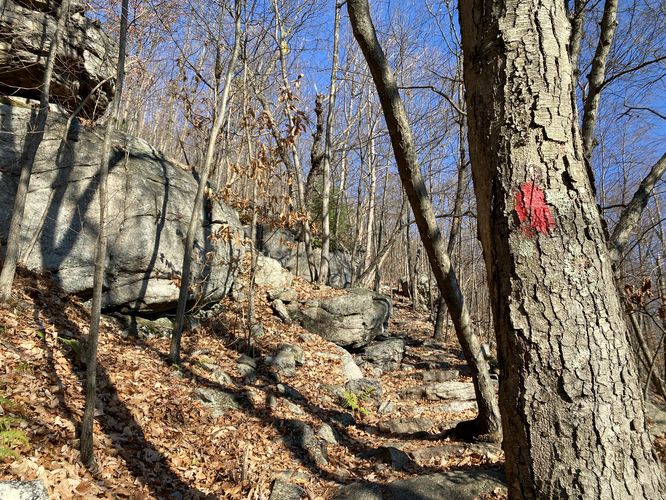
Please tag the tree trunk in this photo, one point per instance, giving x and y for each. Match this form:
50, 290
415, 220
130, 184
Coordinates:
457, 214
297, 171
195, 218
86, 441
631, 214
326, 189
412, 180
32, 141
597, 74
572, 409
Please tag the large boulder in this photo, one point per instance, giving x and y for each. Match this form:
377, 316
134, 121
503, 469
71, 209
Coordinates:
349, 320
283, 246
85, 62
385, 355
149, 207
270, 273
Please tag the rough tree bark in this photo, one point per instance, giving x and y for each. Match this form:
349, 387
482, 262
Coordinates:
572, 409
86, 441
32, 141
405, 154
219, 118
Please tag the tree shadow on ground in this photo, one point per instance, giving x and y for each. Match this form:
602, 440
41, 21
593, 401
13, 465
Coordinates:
267, 383
144, 461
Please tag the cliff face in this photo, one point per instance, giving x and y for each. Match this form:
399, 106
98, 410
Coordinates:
150, 203
85, 64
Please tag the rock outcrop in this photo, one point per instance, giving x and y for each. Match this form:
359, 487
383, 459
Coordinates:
85, 62
282, 245
150, 203
349, 320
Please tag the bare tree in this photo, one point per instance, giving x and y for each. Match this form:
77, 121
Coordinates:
86, 441
572, 410
220, 115
403, 146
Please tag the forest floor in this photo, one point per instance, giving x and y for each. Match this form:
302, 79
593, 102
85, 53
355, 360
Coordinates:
154, 439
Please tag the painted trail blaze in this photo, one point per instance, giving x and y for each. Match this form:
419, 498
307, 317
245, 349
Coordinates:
533, 212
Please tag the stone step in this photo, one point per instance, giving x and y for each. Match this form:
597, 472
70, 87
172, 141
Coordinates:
452, 390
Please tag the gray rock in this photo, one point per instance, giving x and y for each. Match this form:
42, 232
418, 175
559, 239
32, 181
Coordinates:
393, 456
282, 490
457, 406
304, 437
294, 408
350, 320
446, 451
350, 369
219, 402
281, 311
150, 203
343, 419
281, 245
270, 273
452, 485
23, 490
287, 295
386, 355
222, 378
406, 425
283, 362
328, 434
386, 407
461, 391
333, 390
437, 375
289, 392
244, 359
369, 388
85, 57
296, 350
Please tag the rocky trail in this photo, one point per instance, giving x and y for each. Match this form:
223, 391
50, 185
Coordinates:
290, 416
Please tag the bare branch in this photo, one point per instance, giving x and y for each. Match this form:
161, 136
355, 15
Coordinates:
632, 213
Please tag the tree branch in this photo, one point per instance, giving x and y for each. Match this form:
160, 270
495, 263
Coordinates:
632, 213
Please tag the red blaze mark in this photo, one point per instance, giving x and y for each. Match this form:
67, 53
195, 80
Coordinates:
533, 212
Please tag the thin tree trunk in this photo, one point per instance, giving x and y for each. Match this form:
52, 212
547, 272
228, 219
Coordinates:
572, 409
632, 213
597, 74
646, 356
86, 441
298, 170
577, 19
195, 218
457, 215
33, 139
326, 190
372, 200
488, 421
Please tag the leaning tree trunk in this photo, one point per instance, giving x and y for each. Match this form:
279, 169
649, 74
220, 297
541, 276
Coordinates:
32, 141
86, 441
405, 154
219, 118
572, 411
